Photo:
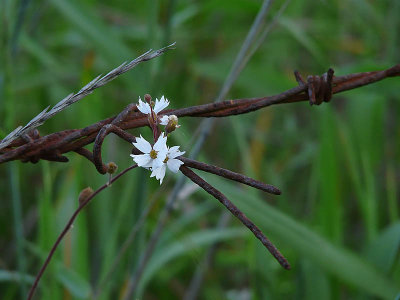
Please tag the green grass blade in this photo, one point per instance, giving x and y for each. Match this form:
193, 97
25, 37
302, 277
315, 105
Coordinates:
384, 250
330, 204
341, 263
165, 254
9, 276
92, 27
18, 222
77, 285
301, 35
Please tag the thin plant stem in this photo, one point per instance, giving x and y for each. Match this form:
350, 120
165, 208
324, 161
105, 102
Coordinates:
391, 191
264, 34
99, 81
68, 226
238, 65
22, 7
18, 221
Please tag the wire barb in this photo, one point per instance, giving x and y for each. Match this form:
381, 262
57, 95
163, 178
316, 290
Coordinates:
319, 88
73, 140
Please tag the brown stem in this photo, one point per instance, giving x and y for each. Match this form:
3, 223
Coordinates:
68, 226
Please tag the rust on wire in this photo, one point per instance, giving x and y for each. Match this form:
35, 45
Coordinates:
317, 89
73, 140
107, 129
237, 213
230, 175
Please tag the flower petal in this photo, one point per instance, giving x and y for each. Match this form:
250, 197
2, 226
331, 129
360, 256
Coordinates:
142, 145
161, 144
159, 161
164, 120
149, 164
142, 160
160, 104
174, 164
174, 152
144, 107
159, 173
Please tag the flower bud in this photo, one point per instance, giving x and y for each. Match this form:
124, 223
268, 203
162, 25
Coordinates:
172, 124
147, 98
84, 195
111, 167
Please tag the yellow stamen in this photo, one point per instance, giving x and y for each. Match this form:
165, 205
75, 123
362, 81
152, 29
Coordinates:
153, 154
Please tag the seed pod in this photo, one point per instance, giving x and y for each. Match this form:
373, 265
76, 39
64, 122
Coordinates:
84, 195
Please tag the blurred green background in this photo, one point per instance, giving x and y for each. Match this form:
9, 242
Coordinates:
337, 164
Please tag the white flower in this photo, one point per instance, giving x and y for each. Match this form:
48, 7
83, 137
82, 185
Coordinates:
164, 120
170, 122
144, 107
159, 105
170, 161
153, 156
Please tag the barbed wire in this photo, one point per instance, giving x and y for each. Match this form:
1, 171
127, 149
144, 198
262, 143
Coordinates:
31, 147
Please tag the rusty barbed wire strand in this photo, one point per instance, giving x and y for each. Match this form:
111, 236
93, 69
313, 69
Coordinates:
230, 175
71, 140
107, 129
52, 147
237, 213
96, 159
